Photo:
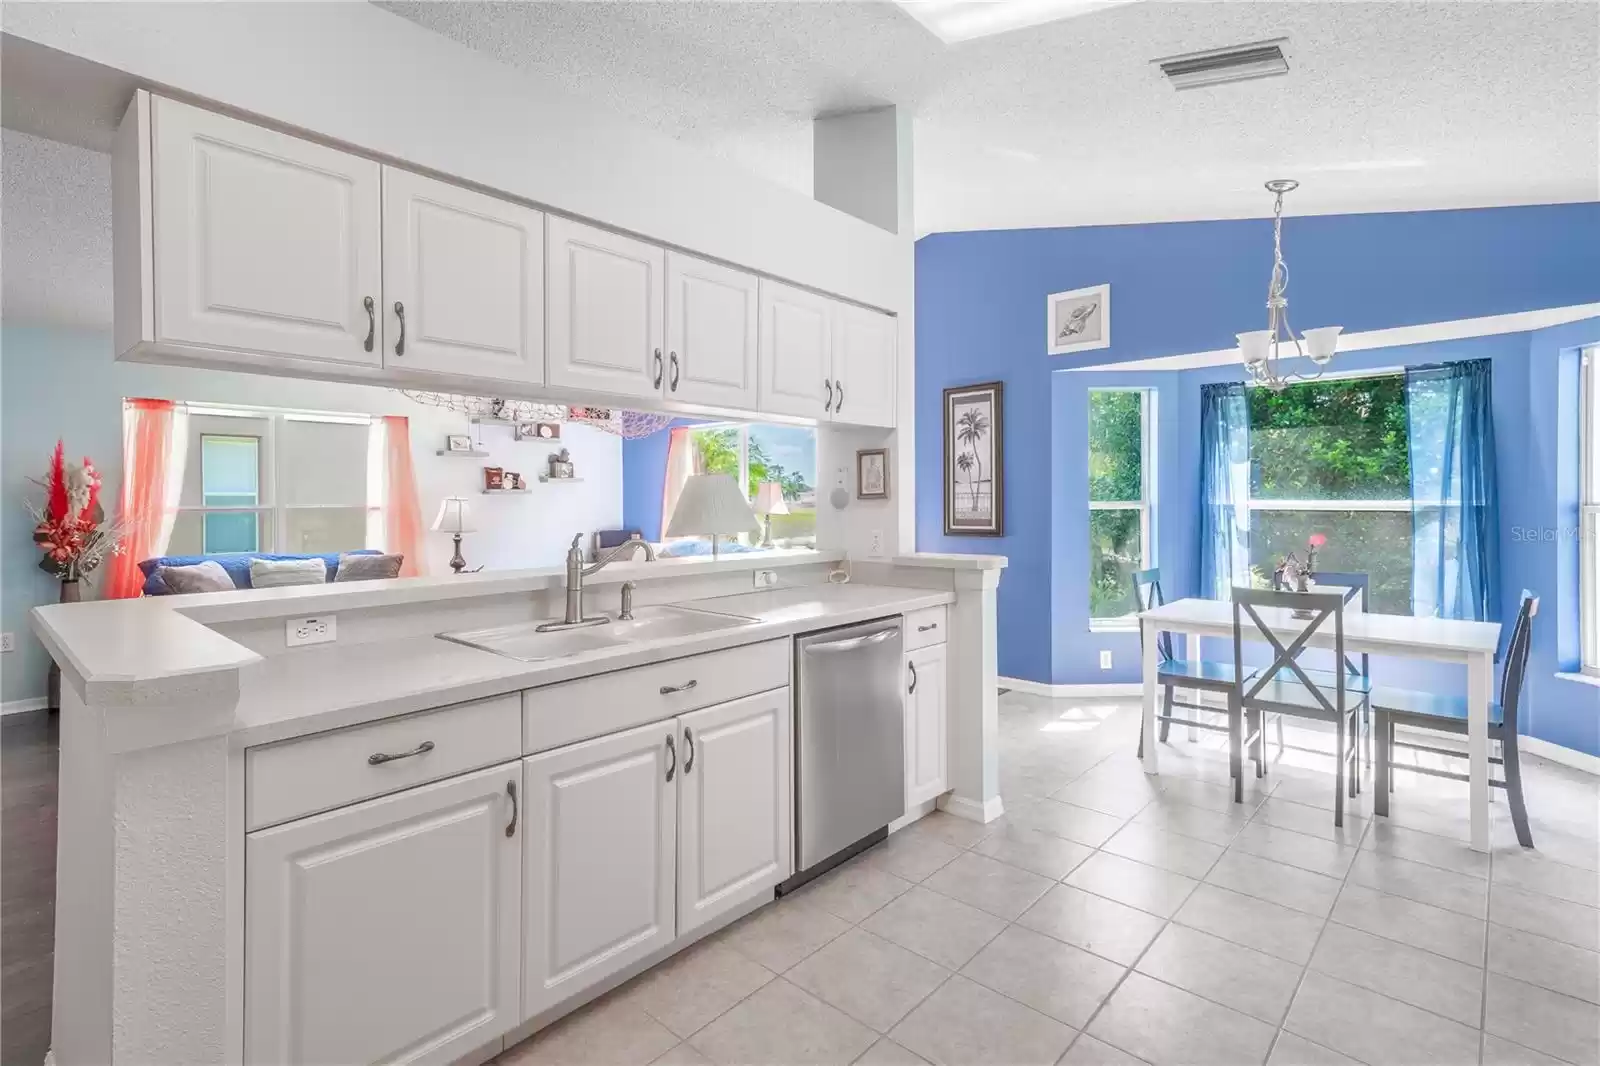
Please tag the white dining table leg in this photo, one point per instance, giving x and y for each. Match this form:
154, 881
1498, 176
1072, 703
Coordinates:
1480, 670
1147, 672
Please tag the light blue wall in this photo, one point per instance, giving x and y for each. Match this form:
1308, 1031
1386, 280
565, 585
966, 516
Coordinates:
644, 468
1185, 287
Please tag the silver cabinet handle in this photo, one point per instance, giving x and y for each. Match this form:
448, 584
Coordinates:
667, 690
672, 752
657, 383
913, 668
854, 642
928, 628
672, 383
372, 321
688, 741
511, 790
838, 387
400, 313
378, 758
829, 386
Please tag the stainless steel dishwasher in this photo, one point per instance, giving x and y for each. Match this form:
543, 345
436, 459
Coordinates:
849, 743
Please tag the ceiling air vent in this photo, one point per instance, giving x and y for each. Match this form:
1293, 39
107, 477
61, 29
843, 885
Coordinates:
1264, 59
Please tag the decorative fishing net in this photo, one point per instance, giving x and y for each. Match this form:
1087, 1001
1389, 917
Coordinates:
627, 424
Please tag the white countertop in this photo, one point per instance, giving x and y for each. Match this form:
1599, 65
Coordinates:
340, 685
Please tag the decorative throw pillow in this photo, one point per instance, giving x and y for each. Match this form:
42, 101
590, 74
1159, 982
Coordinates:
201, 577
276, 573
368, 567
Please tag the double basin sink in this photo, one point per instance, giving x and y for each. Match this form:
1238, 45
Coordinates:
524, 642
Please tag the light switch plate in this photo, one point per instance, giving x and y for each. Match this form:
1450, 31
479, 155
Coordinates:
766, 579
8, 642
1105, 659
323, 629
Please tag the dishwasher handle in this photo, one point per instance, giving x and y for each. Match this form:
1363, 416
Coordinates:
852, 643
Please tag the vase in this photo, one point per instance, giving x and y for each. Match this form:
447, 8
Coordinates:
71, 592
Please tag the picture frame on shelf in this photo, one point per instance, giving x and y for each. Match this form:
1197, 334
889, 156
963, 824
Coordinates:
537, 431
872, 474
974, 460
1078, 320
494, 478
458, 442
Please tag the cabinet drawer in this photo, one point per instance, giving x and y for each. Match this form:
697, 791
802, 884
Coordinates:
924, 627
594, 706
327, 770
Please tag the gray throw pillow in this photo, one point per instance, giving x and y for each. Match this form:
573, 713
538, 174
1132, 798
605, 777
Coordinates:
208, 576
276, 573
368, 567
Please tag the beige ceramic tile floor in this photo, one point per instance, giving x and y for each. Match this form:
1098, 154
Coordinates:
1113, 918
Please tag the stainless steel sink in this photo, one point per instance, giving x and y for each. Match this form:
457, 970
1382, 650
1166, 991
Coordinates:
523, 641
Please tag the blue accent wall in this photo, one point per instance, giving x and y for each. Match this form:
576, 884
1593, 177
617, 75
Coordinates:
1185, 287
644, 468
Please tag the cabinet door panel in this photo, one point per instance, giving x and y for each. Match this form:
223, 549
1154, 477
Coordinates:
796, 351
605, 310
389, 931
601, 854
925, 724
734, 809
263, 242
469, 271
711, 333
864, 367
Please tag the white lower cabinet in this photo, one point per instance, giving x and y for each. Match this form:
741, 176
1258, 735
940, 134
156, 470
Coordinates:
601, 855
735, 817
925, 726
388, 931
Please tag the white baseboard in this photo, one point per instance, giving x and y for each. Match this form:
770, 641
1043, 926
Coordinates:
1040, 688
1577, 760
32, 703
970, 809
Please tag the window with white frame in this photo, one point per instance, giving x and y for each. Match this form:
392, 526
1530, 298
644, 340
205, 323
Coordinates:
755, 454
1332, 457
1589, 515
259, 480
1121, 492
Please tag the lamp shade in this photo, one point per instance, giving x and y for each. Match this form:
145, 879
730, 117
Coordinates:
711, 504
769, 499
454, 516
1254, 346
1322, 342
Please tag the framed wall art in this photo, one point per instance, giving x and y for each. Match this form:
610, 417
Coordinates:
974, 460
1078, 321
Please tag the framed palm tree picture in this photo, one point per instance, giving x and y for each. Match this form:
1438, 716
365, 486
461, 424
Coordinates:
974, 460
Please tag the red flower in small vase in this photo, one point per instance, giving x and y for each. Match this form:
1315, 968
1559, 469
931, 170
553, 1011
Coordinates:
1317, 540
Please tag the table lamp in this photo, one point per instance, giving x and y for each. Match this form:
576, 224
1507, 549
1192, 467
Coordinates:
712, 505
769, 501
455, 518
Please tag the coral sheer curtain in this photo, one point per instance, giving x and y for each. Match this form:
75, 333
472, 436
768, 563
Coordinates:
395, 522
154, 447
680, 464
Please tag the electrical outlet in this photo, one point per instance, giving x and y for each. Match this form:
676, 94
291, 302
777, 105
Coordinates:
319, 630
8, 642
1105, 659
876, 548
766, 579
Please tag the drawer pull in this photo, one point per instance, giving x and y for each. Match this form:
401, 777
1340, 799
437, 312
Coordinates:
927, 628
667, 690
381, 757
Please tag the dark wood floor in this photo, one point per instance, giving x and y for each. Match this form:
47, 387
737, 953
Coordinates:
29, 744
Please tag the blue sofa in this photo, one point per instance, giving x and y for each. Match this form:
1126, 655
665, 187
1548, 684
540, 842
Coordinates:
237, 564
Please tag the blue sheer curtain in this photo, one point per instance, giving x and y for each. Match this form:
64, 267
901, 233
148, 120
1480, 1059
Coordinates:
1455, 501
1224, 489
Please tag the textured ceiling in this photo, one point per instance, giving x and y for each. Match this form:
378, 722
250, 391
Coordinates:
1388, 105
55, 233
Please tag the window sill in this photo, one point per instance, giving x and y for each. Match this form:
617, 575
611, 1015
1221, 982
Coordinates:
1113, 625
1582, 679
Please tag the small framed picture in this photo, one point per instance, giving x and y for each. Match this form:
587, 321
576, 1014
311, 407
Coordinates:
872, 474
1078, 321
494, 478
974, 460
513, 480
458, 442
538, 431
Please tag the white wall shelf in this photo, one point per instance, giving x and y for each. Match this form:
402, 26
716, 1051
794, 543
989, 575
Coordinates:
504, 492
547, 479
463, 455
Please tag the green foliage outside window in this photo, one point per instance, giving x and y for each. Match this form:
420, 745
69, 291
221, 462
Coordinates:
1116, 475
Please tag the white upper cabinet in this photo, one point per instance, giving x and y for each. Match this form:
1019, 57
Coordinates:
604, 311
734, 813
864, 367
388, 931
601, 852
796, 374
463, 281
263, 242
711, 334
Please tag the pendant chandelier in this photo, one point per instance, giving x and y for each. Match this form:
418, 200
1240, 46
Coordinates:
1260, 349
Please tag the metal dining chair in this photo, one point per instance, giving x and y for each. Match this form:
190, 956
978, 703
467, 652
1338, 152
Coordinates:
1287, 687
1174, 673
1448, 714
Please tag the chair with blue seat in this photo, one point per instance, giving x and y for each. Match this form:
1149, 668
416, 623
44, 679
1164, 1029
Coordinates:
1174, 673
1287, 687
1448, 714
